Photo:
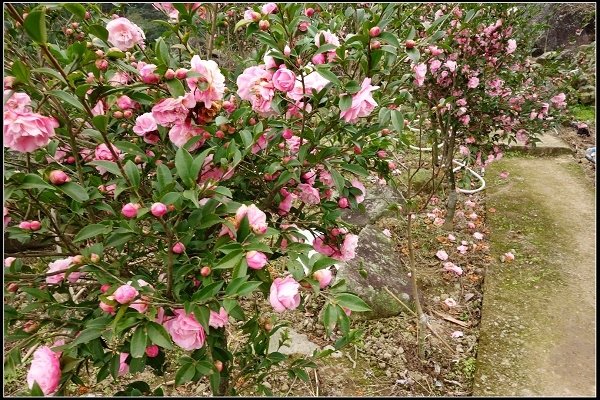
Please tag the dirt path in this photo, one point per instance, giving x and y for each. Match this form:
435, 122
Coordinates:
538, 320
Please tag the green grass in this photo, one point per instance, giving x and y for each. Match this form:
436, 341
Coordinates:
583, 113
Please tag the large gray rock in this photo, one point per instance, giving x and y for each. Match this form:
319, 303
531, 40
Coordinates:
377, 257
298, 343
376, 204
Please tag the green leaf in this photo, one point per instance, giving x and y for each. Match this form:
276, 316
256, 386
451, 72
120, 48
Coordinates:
390, 38
115, 365
51, 72
162, 51
76, 9
163, 176
355, 169
352, 302
99, 31
183, 164
37, 293
20, 71
32, 181
91, 231
230, 260
35, 25
175, 88
207, 292
131, 148
327, 74
133, 173
329, 318
138, 342
36, 390
338, 179
87, 335
110, 166
413, 54
185, 373
158, 335
74, 191
248, 287
204, 367
235, 284
397, 120
345, 102
326, 47
100, 122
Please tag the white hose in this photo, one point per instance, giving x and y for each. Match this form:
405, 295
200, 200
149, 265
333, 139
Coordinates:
460, 166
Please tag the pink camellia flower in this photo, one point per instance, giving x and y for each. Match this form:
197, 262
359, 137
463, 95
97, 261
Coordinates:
26, 131
434, 65
313, 82
442, 255
17, 102
61, 265
152, 351
362, 103
451, 65
435, 51
145, 123
464, 150
260, 144
45, 370
324, 277
103, 153
558, 101
251, 15
284, 80
286, 204
8, 261
330, 38
185, 330
420, 70
158, 209
438, 221
508, 257
130, 210
512, 46
478, 235
256, 86
462, 249
124, 34
58, 177
178, 248
147, 73
125, 294
284, 294
361, 197
256, 259
168, 112
450, 302
181, 133
119, 78
125, 103
308, 194
218, 320
473, 82
168, 9
504, 174
123, 366
348, 249
257, 219
210, 85
6, 217
269, 8
318, 59
107, 308
451, 267
140, 305
215, 173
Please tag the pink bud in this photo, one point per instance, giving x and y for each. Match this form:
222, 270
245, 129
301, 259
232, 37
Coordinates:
101, 64
219, 134
25, 225
256, 259
376, 44
287, 134
178, 248
343, 203
106, 308
324, 277
264, 25
170, 74
318, 59
158, 209
205, 271
303, 26
70, 160
152, 351
100, 53
286, 50
88, 15
309, 12
391, 165
125, 294
374, 31
35, 225
90, 77
381, 154
94, 257
58, 177
181, 73
104, 288
130, 210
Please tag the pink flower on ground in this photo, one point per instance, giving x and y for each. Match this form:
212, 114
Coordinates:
284, 294
308, 194
457, 334
362, 103
256, 259
451, 267
124, 34
218, 320
451, 237
185, 330
434, 65
387, 233
123, 366
358, 184
145, 123
420, 70
26, 131
478, 236
125, 294
45, 370
284, 80
210, 85
442, 255
450, 302
462, 249
152, 351
324, 277
508, 257
438, 221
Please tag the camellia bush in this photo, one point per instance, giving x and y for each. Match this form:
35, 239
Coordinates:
154, 198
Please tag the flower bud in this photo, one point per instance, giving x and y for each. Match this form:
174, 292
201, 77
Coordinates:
12, 287
31, 326
264, 25
286, 50
58, 177
357, 149
102, 64
385, 132
94, 258
118, 114
138, 160
78, 259
68, 31
219, 365
127, 113
303, 26
309, 12
75, 25
158, 209
88, 15
152, 351
376, 44
252, 121
171, 207
374, 31
178, 248
410, 44
170, 74
181, 73
219, 134
99, 53
130, 210
343, 203
104, 288
391, 165
70, 160
205, 271
381, 154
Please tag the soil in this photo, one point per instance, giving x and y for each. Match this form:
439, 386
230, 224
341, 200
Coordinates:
580, 144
